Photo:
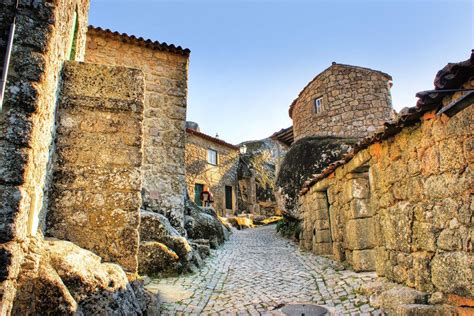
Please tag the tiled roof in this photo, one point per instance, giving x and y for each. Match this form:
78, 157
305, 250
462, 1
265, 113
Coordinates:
290, 111
284, 135
210, 138
452, 76
140, 41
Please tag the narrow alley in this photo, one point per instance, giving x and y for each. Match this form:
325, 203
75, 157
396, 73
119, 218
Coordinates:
256, 273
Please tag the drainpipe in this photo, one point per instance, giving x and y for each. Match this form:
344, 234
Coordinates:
8, 53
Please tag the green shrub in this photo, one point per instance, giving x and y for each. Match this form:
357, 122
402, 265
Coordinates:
289, 227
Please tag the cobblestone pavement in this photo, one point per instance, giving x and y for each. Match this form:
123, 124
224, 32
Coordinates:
255, 273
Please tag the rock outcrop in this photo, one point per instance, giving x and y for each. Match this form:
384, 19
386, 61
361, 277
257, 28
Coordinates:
306, 157
163, 250
396, 299
203, 224
257, 172
75, 281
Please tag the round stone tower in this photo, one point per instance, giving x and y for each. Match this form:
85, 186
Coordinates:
343, 101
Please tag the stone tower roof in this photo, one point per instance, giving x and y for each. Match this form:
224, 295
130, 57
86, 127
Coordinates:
334, 64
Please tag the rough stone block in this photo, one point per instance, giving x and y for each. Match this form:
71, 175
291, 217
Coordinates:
399, 295
321, 214
322, 249
363, 260
361, 208
155, 257
381, 261
360, 234
397, 228
424, 236
95, 197
422, 271
321, 224
451, 272
128, 83
425, 310
323, 236
338, 252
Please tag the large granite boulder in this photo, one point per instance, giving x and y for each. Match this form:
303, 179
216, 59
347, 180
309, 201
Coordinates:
155, 257
154, 226
99, 288
307, 156
75, 281
200, 224
51, 293
161, 242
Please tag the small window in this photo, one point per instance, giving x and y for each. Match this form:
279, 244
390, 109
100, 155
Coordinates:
212, 157
318, 105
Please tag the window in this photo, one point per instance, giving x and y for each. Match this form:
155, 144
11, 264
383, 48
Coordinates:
318, 105
212, 157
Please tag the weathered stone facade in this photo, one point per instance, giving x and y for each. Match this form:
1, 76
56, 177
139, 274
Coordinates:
402, 205
71, 160
355, 101
166, 70
46, 34
95, 198
215, 177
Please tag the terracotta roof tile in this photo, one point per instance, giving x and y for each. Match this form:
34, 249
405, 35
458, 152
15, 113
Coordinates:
210, 138
140, 41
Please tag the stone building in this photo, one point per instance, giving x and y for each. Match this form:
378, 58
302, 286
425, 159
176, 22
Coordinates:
342, 101
339, 106
47, 34
212, 163
84, 147
166, 70
400, 203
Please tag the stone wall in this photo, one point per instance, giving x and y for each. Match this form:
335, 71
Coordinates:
198, 170
355, 101
403, 207
164, 116
42, 42
95, 197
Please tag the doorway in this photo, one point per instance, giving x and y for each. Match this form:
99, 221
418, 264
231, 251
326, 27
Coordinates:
228, 197
198, 188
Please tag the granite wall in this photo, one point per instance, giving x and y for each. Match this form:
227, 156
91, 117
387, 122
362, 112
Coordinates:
166, 73
403, 207
95, 196
43, 40
355, 101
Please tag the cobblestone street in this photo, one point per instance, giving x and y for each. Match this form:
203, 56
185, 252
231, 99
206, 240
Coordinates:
257, 272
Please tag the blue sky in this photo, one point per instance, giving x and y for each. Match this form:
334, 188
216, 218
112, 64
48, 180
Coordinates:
250, 59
